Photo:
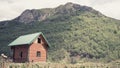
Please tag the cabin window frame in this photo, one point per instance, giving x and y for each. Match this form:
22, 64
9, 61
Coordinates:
39, 40
38, 54
21, 54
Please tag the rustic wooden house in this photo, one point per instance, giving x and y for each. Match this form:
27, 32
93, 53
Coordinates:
30, 48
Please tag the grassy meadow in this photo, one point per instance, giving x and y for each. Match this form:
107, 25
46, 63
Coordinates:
115, 64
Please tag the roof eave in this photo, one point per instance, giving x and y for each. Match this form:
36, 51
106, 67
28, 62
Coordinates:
18, 45
46, 40
40, 33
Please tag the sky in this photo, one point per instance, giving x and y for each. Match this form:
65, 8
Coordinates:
10, 9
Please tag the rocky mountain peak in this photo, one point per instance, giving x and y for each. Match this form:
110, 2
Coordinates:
34, 15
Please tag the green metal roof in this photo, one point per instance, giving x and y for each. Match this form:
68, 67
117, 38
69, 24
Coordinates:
27, 39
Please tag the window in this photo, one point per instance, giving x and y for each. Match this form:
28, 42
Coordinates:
21, 54
39, 40
38, 54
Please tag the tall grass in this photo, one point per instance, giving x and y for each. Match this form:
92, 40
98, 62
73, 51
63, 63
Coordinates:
62, 65
8, 64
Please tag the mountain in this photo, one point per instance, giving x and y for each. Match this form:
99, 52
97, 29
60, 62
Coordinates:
75, 33
29, 16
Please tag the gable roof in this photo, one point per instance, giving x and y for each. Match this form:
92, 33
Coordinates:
27, 39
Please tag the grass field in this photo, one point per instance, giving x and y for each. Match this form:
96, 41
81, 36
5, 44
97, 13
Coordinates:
9, 64
60, 65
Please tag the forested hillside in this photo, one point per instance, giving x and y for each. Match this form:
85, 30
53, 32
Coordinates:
75, 33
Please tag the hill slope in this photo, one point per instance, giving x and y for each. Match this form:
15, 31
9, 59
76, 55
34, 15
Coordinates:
74, 32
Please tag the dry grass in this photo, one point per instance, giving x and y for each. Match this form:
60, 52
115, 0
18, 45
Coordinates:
61, 65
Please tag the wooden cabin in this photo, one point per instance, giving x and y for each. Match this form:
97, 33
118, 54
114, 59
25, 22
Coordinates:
30, 48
